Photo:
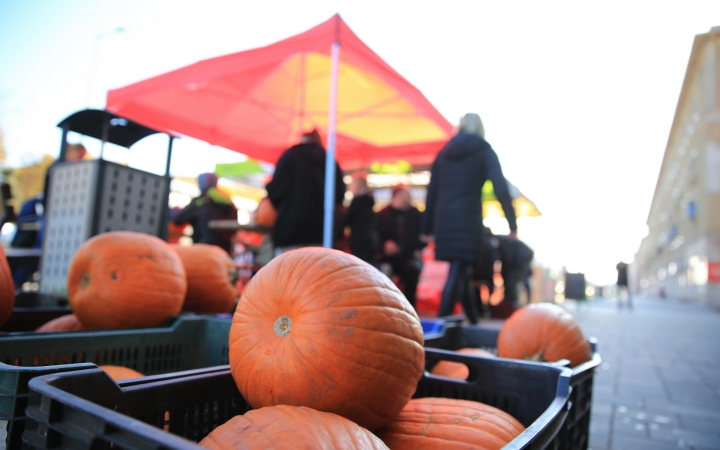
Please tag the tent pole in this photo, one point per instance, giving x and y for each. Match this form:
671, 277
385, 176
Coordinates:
330, 158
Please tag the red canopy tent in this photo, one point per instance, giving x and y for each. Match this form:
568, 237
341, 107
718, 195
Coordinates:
257, 102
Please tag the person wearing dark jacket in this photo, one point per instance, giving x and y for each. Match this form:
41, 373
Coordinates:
360, 218
399, 230
297, 192
211, 205
453, 215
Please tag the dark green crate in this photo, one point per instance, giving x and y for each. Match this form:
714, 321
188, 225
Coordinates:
190, 342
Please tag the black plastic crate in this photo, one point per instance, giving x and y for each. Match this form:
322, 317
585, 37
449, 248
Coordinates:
33, 309
189, 342
87, 410
576, 435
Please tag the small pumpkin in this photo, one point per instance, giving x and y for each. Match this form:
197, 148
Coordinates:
443, 423
7, 289
321, 328
290, 427
266, 213
543, 332
68, 322
457, 370
118, 373
211, 277
124, 279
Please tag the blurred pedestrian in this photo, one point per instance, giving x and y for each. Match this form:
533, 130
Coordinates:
297, 192
212, 204
623, 285
399, 231
453, 217
360, 218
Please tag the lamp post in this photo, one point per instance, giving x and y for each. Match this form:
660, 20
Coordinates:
93, 58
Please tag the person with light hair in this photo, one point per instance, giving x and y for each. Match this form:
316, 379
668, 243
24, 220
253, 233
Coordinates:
453, 215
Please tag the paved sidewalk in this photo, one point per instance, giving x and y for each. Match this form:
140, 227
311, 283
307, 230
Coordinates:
659, 384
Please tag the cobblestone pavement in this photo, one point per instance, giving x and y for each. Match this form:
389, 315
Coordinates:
659, 384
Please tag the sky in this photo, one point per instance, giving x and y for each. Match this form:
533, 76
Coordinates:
577, 98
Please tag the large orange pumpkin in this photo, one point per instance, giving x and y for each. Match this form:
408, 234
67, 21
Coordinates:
443, 423
457, 370
543, 332
266, 213
68, 322
7, 289
211, 277
290, 427
118, 373
124, 279
320, 328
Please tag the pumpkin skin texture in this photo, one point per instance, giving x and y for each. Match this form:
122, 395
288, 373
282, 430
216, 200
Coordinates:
124, 279
7, 289
443, 423
460, 371
290, 427
320, 328
543, 332
118, 373
211, 278
266, 213
68, 322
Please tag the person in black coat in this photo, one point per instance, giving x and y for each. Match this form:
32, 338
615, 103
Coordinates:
454, 209
399, 229
211, 205
297, 192
360, 218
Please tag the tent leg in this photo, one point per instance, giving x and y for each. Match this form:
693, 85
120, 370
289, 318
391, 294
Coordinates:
330, 158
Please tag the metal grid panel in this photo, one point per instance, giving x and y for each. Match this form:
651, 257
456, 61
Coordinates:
131, 200
68, 221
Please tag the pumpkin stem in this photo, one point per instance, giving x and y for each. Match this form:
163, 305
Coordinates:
282, 326
84, 280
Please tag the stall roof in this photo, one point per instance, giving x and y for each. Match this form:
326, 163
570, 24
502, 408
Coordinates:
121, 131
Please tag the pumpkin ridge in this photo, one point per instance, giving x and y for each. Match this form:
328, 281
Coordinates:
359, 288
437, 415
356, 363
364, 329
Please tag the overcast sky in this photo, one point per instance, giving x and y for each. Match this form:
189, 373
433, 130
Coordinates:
577, 97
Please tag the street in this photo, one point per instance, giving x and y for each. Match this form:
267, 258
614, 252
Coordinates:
659, 383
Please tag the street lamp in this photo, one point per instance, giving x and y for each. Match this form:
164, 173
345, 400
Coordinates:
93, 68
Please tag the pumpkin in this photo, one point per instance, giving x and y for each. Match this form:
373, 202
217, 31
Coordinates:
118, 373
211, 277
321, 328
458, 370
124, 279
68, 322
444, 423
266, 213
290, 427
7, 289
543, 332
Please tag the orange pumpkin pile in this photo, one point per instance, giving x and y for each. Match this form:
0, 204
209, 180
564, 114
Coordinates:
211, 276
543, 332
327, 350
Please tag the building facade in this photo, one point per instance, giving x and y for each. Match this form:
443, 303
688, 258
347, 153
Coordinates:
680, 257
